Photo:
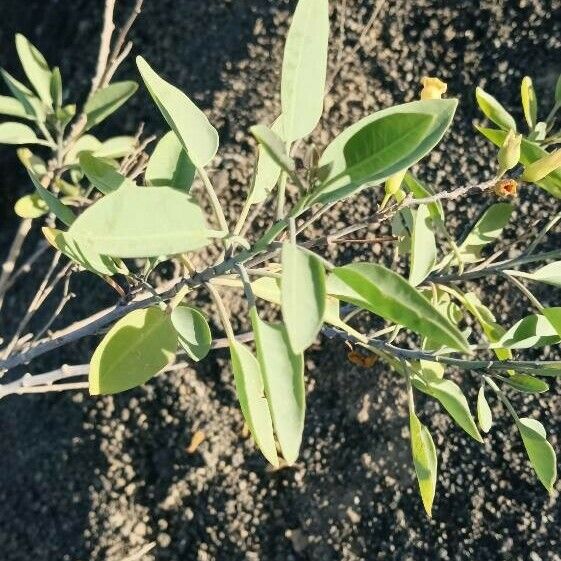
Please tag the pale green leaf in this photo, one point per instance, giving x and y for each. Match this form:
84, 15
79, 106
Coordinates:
283, 375
255, 409
143, 222
103, 175
36, 68
526, 383
529, 101
169, 165
107, 100
548, 274
33, 106
115, 147
55, 87
304, 68
420, 191
134, 350
532, 331
302, 295
17, 133
30, 206
423, 246
198, 137
484, 415
13, 107
193, 331
425, 460
86, 143
494, 111
385, 293
274, 146
540, 452
553, 315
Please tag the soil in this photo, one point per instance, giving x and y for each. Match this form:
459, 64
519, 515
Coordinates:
97, 479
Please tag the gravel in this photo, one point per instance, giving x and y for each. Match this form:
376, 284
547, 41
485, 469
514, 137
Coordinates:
98, 479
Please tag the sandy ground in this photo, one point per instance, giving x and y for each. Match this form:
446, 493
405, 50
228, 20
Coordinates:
96, 479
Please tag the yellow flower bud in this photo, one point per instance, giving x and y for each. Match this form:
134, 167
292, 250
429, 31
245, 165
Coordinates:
509, 152
433, 88
393, 184
542, 167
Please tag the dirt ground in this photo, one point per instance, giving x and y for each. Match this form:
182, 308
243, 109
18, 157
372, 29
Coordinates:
96, 479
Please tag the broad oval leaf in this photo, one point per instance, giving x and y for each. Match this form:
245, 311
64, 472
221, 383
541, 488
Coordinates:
526, 383
381, 145
33, 106
304, 68
302, 295
143, 222
532, 331
13, 107
425, 460
193, 331
198, 137
553, 315
17, 133
423, 246
35, 67
484, 415
102, 175
494, 111
283, 376
169, 165
255, 409
30, 206
548, 274
86, 143
107, 100
540, 452
387, 294
134, 350
115, 147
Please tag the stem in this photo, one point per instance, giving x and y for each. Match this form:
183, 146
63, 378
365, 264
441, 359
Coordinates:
217, 207
533, 300
222, 312
281, 194
502, 396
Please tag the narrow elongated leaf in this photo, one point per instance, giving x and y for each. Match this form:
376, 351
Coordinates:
134, 350
484, 415
532, 331
302, 296
529, 101
450, 395
107, 100
193, 331
31, 206
17, 133
425, 460
198, 137
526, 383
423, 246
304, 68
274, 146
540, 452
268, 171
529, 153
255, 409
169, 165
283, 375
55, 87
35, 67
13, 107
103, 176
115, 147
548, 274
385, 293
494, 111
381, 145
82, 253
33, 105
143, 222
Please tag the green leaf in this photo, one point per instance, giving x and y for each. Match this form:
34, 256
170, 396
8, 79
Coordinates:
304, 68
268, 171
484, 415
102, 175
143, 222
17, 133
381, 145
86, 143
553, 315
540, 452
55, 87
107, 100
169, 165
30, 206
423, 246
274, 146
283, 375
249, 387
193, 331
387, 294
425, 460
198, 137
529, 153
35, 67
526, 383
532, 331
302, 295
548, 274
529, 101
82, 253
13, 107
421, 191
450, 395
115, 147
32, 104
134, 350
494, 111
